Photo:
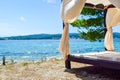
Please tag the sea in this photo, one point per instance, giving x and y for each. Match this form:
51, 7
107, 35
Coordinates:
39, 50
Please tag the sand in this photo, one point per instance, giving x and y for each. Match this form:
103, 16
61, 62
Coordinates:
54, 70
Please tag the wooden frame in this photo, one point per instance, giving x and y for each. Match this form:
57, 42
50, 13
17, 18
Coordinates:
96, 62
99, 6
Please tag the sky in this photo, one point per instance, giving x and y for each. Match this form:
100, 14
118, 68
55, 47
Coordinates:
24, 17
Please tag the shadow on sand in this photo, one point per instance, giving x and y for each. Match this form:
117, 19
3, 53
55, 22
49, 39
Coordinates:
95, 73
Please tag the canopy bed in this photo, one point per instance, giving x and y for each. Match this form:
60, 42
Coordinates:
70, 10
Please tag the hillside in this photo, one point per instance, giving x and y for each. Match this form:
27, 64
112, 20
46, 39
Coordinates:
46, 36
39, 36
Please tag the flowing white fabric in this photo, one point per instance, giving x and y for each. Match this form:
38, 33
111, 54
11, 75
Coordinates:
112, 19
71, 9
64, 46
109, 45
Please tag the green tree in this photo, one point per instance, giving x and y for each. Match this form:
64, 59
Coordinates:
91, 24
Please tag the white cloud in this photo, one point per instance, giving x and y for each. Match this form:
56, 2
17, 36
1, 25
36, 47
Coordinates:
22, 19
50, 1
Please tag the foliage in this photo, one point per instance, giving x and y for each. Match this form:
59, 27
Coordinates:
91, 24
92, 34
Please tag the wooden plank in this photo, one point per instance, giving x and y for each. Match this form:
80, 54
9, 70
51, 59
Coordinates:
97, 62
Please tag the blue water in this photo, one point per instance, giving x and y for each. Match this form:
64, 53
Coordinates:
34, 50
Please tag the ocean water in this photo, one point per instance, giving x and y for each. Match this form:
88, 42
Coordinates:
35, 50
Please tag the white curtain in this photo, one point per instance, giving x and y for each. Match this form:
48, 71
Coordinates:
112, 19
64, 46
71, 9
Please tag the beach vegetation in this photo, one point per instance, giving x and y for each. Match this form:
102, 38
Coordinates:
25, 63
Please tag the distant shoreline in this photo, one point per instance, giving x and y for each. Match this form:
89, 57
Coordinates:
48, 36
40, 37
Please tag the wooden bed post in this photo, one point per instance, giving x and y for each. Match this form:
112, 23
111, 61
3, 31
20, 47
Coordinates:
105, 26
67, 64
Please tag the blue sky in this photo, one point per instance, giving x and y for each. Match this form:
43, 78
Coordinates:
23, 17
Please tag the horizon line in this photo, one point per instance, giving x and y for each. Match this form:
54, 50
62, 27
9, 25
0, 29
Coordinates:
38, 34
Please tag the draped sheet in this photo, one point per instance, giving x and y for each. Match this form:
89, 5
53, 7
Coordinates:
112, 19
64, 46
71, 9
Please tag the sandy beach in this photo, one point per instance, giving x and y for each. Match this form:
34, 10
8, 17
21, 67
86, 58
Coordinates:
54, 70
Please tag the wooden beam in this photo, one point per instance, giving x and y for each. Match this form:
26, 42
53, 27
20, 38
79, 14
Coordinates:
110, 6
98, 6
96, 62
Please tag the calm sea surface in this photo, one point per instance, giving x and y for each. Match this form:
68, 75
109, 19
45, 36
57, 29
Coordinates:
34, 50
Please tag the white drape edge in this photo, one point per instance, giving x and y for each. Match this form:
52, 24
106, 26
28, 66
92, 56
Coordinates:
112, 19
71, 9
109, 45
64, 44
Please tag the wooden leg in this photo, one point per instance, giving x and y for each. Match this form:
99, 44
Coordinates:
67, 64
3, 60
